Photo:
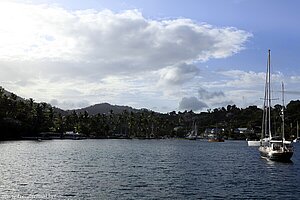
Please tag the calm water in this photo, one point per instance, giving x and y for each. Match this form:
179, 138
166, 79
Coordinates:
143, 169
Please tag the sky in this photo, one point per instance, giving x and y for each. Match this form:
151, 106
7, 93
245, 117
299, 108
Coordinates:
161, 55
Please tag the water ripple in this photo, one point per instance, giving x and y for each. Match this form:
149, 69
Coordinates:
143, 169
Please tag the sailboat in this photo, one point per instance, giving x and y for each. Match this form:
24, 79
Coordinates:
297, 139
216, 137
253, 143
193, 134
271, 147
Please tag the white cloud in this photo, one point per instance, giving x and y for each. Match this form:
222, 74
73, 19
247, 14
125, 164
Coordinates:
240, 78
124, 40
295, 79
206, 95
246, 79
70, 103
247, 87
177, 75
103, 53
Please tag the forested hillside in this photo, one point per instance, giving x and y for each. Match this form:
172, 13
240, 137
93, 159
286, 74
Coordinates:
22, 118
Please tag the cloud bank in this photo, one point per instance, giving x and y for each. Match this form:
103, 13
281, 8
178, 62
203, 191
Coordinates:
204, 100
49, 44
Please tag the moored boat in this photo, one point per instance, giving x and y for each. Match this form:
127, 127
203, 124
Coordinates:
253, 143
215, 136
73, 135
216, 139
273, 148
193, 135
276, 149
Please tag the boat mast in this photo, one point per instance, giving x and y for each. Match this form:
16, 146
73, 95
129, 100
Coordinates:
264, 121
269, 94
282, 111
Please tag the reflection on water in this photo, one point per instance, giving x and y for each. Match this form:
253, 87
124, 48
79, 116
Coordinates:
143, 169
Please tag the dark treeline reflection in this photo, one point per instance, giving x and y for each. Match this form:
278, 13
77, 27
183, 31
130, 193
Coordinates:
25, 118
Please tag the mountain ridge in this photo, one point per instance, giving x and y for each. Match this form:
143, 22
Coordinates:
99, 108
104, 108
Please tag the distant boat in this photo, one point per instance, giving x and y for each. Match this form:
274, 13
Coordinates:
73, 135
253, 143
193, 134
273, 148
215, 136
216, 139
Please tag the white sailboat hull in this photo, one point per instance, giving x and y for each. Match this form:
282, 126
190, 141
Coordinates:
252, 143
281, 154
191, 137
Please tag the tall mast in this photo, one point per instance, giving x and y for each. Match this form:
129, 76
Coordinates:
269, 94
282, 111
196, 129
264, 126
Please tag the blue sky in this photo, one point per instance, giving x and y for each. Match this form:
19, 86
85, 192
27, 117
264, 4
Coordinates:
161, 55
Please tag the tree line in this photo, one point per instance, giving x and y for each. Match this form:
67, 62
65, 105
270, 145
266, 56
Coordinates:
23, 118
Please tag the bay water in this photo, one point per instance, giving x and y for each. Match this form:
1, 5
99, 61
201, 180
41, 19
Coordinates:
143, 169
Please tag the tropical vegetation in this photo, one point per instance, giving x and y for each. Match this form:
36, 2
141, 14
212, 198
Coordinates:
21, 118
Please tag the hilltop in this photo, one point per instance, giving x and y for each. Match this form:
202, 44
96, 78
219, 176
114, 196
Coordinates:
104, 108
